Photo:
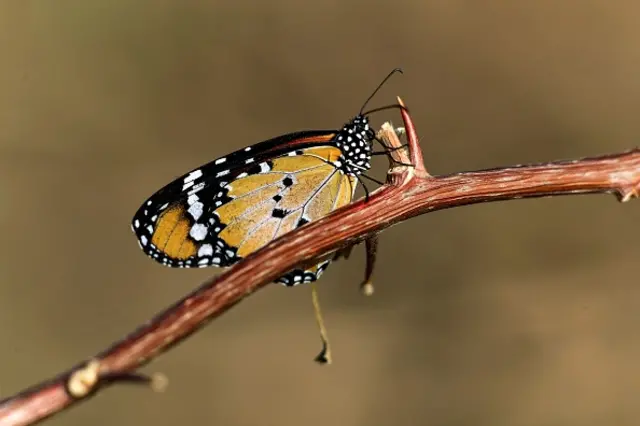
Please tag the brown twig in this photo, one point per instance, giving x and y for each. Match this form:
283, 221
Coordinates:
410, 191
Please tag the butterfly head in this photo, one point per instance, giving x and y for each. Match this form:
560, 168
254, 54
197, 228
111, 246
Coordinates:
355, 140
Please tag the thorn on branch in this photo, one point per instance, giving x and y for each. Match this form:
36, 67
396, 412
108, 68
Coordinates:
158, 382
626, 194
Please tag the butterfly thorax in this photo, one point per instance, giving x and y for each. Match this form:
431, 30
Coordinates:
355, 142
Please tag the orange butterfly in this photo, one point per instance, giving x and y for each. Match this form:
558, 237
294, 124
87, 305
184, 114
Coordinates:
224, 210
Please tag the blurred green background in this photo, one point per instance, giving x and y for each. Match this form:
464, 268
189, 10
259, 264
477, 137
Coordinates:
516, 313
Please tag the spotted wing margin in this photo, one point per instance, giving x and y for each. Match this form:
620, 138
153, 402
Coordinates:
172, 202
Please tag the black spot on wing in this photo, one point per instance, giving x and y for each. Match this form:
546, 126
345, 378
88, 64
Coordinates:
279, 213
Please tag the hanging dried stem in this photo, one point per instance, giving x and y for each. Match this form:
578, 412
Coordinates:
410, 191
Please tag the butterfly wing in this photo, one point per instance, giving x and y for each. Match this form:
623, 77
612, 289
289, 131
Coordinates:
231, 207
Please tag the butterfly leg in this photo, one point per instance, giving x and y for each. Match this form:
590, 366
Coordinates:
388, 149
343, 253
324, 357
371, 244
393, 160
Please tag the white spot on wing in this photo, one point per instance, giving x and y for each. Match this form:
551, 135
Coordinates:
143, 240
198, 232
196, 188
195, 210
205, 250
193, 176
220, 160
192, 199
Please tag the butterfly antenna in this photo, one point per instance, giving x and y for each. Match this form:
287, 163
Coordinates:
379, 86
384, 108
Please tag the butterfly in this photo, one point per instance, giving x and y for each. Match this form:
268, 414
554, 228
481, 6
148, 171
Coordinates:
221, 212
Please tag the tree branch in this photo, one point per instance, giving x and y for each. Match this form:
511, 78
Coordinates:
409, 192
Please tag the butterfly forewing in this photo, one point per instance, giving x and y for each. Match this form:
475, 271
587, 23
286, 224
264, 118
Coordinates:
233, 206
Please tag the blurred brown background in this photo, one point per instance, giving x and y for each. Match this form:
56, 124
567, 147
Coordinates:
516, 313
